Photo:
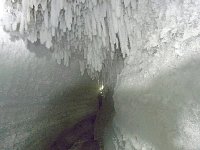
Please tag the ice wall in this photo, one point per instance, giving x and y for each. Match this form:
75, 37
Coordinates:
38, 97
159, 114
157, 94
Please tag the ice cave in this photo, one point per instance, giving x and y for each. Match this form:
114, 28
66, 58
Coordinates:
100, 75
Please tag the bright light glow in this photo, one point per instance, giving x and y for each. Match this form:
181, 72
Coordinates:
101, 88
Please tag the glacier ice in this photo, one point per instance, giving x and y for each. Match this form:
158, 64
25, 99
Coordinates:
155, 37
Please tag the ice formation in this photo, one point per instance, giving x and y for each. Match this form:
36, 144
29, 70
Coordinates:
155, 36
94, 29
81, 26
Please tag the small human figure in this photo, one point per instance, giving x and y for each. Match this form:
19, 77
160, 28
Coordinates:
100, 100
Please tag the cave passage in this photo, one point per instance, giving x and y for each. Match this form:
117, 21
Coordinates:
88, 133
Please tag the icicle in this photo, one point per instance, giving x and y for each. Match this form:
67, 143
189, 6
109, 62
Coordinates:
126, 2
82, 67
46, 18
82, 25
118, 8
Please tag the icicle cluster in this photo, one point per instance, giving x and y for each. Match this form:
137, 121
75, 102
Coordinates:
94, 27
93, 30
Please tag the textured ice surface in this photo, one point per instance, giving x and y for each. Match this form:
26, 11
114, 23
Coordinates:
156, 96
160, 114
95, 29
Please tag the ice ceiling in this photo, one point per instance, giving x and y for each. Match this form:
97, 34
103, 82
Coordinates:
83, 27
94, 29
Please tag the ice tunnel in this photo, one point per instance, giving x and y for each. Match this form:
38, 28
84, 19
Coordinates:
99, 75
